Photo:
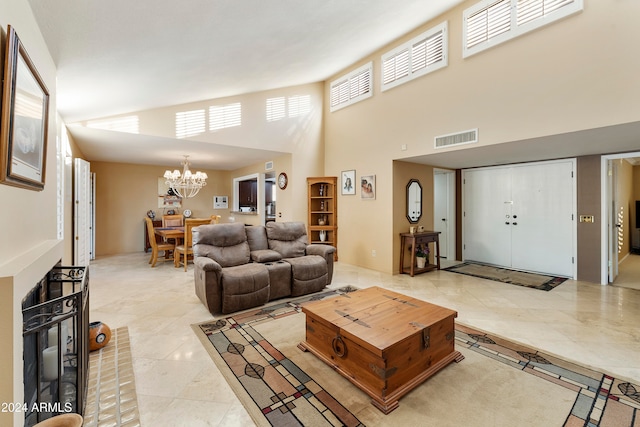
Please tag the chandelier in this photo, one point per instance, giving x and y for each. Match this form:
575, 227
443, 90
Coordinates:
187, 184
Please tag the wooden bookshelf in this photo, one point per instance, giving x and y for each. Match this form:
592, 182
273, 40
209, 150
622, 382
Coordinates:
323, 211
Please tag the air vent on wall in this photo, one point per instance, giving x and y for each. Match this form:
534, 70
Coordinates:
466, 137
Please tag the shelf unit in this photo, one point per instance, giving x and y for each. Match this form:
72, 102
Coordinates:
323, 205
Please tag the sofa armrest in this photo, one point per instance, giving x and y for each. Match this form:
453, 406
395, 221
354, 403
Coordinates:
325, 251
207, 264
265, 255
322, 250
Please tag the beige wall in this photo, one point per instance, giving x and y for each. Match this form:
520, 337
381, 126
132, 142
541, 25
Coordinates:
298, 149
125, 192
543, 83
588, 203
29, 231
402, 173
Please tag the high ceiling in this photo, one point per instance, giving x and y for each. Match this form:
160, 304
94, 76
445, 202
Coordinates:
121, 56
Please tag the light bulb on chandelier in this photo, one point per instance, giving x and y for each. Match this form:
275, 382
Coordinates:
187, 184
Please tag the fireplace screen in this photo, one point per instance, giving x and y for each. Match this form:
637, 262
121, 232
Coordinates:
55, 330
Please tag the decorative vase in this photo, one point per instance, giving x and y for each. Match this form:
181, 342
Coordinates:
323, 235
321, 221
99, 335
421, 261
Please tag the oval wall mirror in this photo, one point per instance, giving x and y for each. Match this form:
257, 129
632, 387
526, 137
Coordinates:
414, 201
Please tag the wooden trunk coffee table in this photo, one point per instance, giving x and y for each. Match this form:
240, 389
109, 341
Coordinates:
384, 342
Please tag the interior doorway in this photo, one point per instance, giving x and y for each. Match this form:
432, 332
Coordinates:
620, 231
444, 211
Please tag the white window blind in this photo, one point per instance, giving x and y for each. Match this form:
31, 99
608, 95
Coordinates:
225, 116
299, 105
395, 67
275, 109
352, 88
419, 56
490, 22
189, 123
529, 10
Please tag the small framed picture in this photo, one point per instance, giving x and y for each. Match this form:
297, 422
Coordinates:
348, 182
220, 202
368, 187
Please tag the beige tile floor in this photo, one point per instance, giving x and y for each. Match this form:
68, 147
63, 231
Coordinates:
178, 384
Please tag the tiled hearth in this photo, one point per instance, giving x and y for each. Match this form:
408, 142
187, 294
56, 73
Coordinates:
111, 396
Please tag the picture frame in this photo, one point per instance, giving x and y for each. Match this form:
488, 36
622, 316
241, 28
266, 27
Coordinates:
166, 198
348, 182
24, 119
368, 187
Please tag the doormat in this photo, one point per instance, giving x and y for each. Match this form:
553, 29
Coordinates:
505, 275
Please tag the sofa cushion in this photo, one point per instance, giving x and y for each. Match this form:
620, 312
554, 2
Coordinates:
225, 243
287, 238
257, 237
244, 286
265, 255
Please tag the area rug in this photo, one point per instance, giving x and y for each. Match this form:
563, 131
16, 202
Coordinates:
505, 275
499, 383
111, 398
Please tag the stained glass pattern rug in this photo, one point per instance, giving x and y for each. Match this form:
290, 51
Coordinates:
499, 382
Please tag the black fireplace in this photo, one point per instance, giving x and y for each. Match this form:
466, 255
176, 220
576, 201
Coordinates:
55, 330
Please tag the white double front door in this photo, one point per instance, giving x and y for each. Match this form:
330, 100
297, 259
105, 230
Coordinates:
521, 216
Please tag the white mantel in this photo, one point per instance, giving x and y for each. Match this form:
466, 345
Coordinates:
17, 277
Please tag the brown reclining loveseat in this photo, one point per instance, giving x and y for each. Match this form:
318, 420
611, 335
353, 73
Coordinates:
239, 267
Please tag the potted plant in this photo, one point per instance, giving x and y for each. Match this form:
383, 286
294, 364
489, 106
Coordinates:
422, 253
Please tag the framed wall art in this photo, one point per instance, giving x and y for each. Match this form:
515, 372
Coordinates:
368, 187
348, 182
25, 116
166, 197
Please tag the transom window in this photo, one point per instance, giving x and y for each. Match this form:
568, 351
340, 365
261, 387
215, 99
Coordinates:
419, 56
189, 123
492, 22
225, 116
351, 88
298, 105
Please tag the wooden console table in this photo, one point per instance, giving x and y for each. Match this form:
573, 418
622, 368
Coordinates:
412, 240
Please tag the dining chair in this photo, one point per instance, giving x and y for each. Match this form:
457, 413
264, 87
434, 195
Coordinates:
172, 220
186, 248
155, 246
176, 220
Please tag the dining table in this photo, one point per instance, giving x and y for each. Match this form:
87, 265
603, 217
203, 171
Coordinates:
170, 232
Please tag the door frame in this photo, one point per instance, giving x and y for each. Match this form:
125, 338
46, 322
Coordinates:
606, 200
574, 208
451, 209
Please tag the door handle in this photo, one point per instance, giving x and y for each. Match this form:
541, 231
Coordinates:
444, 219
507, 223
515, 223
